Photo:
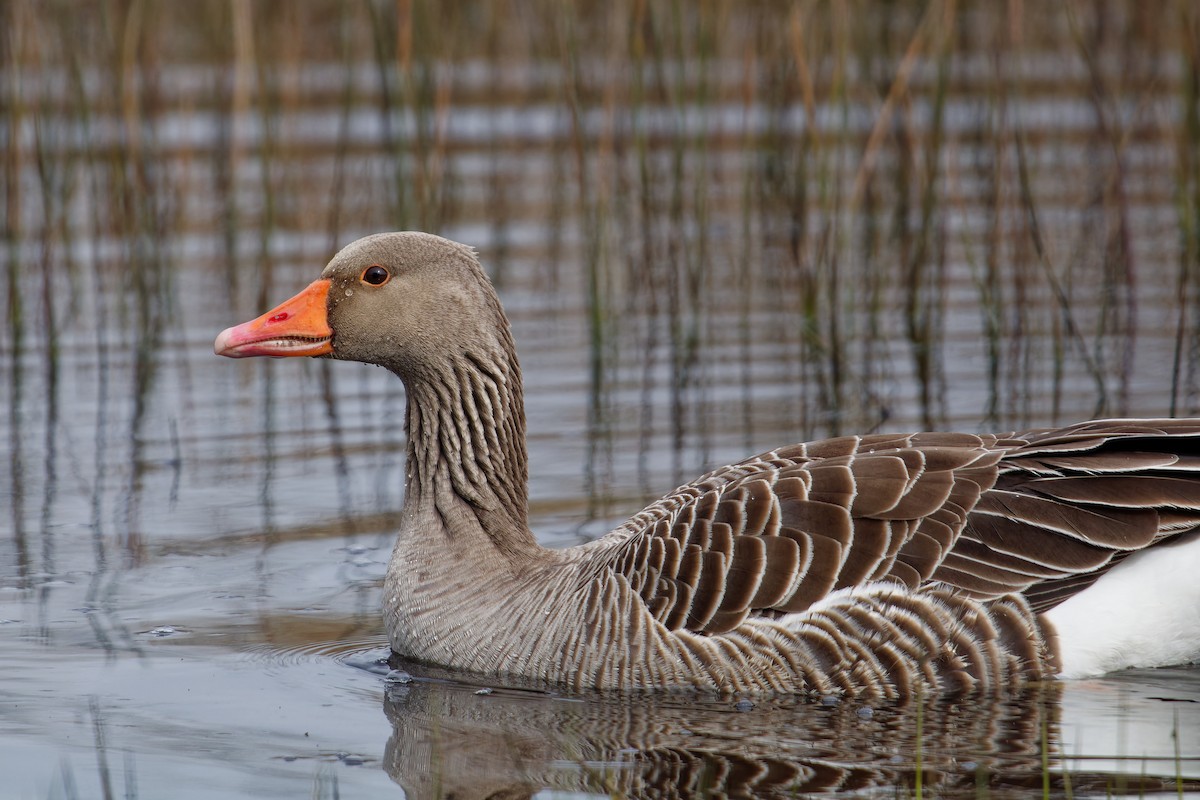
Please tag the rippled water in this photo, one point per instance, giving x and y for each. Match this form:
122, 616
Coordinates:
817, 221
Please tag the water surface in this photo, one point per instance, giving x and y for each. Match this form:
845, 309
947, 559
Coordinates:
715, 230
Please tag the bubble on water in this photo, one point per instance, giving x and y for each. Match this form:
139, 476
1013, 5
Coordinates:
349, 293
743, 705
397, 677
484, 690
866, 712
830, 700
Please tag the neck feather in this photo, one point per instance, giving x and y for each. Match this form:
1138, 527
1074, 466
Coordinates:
466, 443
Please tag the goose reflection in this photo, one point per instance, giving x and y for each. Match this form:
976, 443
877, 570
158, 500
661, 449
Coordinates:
454, 739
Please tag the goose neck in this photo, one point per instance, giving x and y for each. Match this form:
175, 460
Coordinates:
467, 460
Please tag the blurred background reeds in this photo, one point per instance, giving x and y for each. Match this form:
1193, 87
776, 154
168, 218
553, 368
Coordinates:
924, 214
717, 226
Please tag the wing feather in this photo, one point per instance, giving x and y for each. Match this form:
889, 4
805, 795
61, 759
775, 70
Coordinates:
1041, 513
781, 569
879, 484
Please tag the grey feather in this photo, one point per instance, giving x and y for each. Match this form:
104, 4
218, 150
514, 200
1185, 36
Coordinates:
877, 565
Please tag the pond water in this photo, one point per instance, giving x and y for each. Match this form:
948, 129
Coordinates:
715, 231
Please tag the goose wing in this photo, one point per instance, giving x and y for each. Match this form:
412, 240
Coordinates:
780, 531
1041, 513
1072, 502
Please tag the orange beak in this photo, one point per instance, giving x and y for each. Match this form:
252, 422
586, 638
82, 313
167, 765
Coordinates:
296, 327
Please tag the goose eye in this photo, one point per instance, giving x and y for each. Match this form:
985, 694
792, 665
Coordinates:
375, 275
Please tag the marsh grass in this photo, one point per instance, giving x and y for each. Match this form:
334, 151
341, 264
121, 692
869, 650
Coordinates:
774, 221
838, 170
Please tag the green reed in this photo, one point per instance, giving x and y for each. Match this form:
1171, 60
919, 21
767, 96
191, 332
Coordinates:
808, 185
1187, 205
821, 189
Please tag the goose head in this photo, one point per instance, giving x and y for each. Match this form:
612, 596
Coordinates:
411, 302
422, 307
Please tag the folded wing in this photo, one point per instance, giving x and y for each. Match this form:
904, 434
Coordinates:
1042, 513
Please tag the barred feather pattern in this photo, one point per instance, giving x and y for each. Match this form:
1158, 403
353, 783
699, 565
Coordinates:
961, 537
876, 565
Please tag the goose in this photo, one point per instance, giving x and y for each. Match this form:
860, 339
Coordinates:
877, 566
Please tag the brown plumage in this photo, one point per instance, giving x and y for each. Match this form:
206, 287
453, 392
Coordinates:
877, 565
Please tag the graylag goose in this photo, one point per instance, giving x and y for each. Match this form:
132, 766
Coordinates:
878, 566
